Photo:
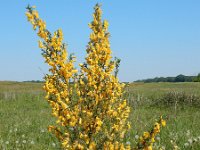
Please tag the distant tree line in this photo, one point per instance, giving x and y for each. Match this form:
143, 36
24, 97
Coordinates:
179, 78
34, 81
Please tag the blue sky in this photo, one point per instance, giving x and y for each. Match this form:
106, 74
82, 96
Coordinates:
152, 37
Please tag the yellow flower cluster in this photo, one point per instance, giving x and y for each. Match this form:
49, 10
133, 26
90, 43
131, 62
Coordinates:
57, 85
90, 111
105, 112
146, 141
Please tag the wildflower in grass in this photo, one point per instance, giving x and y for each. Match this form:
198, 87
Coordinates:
42, 130
32, 142
186, 144
7, 142
176, 147
15, 129
91, 113
158, 138
24, 141
162, 148
53, 144
147, 140
190, 141
174, 144
136, 137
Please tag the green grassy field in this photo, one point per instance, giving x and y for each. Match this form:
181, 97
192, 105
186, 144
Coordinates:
25, 115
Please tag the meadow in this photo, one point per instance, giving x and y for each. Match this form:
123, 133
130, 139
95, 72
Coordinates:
25, 115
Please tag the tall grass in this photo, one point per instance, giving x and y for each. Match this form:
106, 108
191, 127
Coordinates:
24, 117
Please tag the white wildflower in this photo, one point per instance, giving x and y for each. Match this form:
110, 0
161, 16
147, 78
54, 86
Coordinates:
53, 144
163, 147
42, 130
136, 136
32, 142
24, 141
72, 129
158, 138
186, 144
128, 143
190, 141
7, 142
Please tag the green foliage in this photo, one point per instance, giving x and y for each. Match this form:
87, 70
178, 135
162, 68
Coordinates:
197, 78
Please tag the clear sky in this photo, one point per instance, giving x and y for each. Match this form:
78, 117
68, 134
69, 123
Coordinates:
152, 37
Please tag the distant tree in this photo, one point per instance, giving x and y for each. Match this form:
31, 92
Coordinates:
170, 79
197, 78
180, 78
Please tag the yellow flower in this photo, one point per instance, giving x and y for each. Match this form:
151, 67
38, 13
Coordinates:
29, 16
92, 146
98, 121
106, 24
129, 125
163, 122
40, 44
146, 135
80, 147
81, 82
152, 139
50, 128
80, 121
149, 147
65, 143
157, 127
35, 13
